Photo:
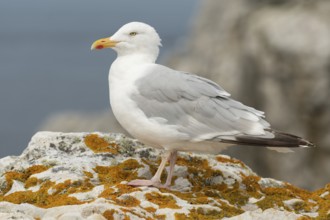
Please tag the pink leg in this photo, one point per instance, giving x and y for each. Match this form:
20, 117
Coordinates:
155, 180
173, 158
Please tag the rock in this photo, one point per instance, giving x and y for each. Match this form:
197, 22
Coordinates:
84, 176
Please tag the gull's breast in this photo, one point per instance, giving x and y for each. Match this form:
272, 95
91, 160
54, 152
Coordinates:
151, 131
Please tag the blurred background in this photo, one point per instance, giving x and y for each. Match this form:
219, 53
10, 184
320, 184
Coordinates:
47, 67
271, 54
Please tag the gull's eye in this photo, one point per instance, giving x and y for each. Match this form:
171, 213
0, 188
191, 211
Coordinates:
133, 33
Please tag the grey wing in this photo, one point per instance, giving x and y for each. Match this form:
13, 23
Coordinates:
197, 106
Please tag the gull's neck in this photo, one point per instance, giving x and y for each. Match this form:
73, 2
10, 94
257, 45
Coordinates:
122, 65
136, 58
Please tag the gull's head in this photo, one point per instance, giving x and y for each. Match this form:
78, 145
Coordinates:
134, 37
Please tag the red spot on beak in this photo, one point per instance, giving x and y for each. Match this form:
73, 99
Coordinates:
99, 47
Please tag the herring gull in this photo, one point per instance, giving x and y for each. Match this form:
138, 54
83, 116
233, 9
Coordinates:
175, 110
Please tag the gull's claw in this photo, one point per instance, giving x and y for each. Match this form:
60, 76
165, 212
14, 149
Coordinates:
155, 180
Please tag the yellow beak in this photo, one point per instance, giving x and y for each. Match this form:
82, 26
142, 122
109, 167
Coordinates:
103, 43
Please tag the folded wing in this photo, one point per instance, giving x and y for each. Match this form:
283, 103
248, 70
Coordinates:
203, 110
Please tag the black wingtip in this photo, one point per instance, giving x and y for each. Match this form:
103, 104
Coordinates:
280, 139
300, 142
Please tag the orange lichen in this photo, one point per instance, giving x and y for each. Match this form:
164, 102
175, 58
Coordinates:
201, 200
163, 201
150, 209
222, 159
229, 210
200, 172
108, 214
22, 176
274, 196
121, 189
36, 169
251, 183
70, 187
10, 177
88, 174
304, 218
32, 181
323, 204
126, 217
100, 145
252, 186
235, 196
134, 213
115, 174
200, 214
41, 197
107, 193
128, 201
160, 217
190, 197
180, 216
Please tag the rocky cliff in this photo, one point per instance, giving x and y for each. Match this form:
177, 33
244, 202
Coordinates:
84, 175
